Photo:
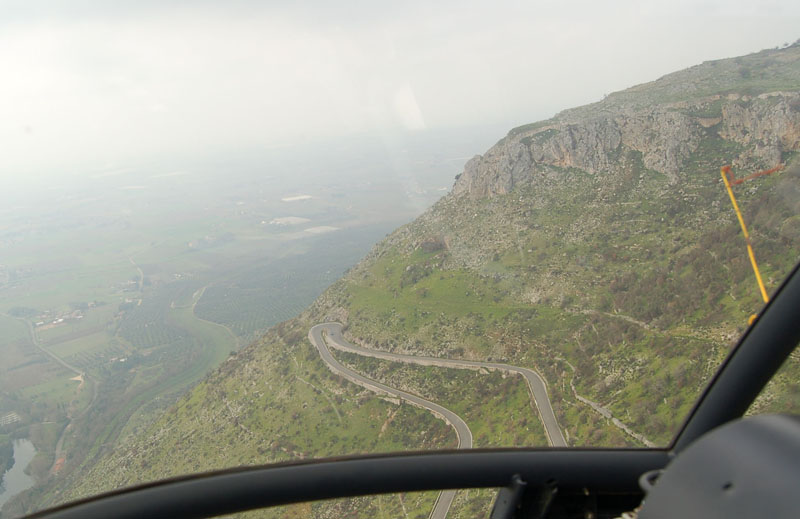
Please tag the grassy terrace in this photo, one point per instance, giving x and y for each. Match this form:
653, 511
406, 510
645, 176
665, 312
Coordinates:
497, 407
292, 406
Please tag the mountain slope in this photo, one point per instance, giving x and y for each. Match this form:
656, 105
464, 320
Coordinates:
597, 247
600, 246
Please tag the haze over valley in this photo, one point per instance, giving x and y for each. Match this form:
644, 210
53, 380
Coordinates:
124, 286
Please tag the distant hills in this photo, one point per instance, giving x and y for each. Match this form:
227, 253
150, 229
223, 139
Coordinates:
598, 248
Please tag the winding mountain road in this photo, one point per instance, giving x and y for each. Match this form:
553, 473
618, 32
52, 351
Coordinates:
535, 382
464, 435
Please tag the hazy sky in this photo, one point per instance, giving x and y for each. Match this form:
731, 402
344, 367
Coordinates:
91, 84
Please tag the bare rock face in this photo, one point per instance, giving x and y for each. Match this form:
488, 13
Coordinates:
665, 121
497, 172
665, 138
766, 127
769, 124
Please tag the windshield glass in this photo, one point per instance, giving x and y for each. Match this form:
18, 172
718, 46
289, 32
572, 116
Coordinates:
241, 234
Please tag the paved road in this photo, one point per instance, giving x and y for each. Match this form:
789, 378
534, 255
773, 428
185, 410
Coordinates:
463, 433
56, 358
141, 274
536, 384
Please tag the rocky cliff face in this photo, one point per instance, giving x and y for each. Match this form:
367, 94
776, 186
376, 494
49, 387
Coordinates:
760, 124
771, 124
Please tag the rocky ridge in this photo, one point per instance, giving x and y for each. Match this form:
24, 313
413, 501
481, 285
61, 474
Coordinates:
666, 133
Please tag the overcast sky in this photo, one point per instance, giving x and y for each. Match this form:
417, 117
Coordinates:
88, 84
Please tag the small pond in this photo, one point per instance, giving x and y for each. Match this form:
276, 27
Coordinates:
15, 480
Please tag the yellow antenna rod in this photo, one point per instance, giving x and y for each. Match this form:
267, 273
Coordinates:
724, 171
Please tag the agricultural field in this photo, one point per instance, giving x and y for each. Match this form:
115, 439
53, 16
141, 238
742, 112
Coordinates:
106, 353
31, 384
121, 289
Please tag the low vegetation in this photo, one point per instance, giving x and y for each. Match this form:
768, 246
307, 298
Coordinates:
624, 287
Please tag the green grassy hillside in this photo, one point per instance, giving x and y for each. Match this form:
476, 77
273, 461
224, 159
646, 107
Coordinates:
598, 248
635, 314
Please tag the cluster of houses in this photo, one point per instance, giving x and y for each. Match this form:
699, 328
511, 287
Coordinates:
48, 319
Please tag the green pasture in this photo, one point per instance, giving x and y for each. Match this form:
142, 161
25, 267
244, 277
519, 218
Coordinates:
89, 343
93, 344
74, 329
55, 290
57, 392
497, 406
11, 329
426, 293
25, 368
